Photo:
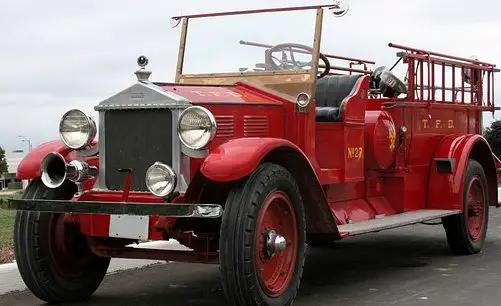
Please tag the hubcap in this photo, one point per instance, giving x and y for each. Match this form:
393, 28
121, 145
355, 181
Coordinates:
475, 212
276, 243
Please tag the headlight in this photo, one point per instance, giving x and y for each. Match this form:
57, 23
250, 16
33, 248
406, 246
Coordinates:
160, 179
197, 127
77, 129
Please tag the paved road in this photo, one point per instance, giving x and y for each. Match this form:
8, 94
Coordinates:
410, 266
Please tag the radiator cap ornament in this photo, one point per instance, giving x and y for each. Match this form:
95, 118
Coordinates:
142, 74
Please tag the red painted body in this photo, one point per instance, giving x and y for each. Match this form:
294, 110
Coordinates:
98, 225
452, 147
244, 161
270, 160
363, 166
238, 94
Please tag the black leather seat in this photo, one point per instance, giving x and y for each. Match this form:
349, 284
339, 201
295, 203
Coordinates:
331, 91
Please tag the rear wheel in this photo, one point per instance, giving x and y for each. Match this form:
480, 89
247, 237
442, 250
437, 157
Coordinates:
262, 241
466, 232
54, 260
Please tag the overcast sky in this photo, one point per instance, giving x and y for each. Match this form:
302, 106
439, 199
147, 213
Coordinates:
73, 54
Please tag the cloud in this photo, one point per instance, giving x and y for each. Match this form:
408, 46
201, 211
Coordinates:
74, 54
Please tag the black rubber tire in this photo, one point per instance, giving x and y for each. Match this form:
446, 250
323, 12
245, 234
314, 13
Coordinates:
31, 248
238, 230
456, 226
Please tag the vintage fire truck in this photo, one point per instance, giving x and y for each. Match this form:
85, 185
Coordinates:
248, 166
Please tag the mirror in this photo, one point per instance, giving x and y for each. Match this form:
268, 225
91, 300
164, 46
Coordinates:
340, 8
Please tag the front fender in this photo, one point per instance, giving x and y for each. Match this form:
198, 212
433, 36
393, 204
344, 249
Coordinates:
446, 187
29, 167
237, 158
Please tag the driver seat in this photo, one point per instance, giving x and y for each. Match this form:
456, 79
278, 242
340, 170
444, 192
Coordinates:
331, 92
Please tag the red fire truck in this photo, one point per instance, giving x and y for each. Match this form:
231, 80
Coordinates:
247, 167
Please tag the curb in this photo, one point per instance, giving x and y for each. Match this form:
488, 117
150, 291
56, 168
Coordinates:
11, 281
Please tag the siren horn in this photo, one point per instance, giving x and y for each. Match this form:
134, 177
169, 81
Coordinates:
55, 170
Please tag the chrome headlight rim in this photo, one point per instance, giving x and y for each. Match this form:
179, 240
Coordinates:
91, 122
170, 172
212, 122
303, 99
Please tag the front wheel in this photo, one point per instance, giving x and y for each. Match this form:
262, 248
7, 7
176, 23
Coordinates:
466, 232
262, 244
54, 260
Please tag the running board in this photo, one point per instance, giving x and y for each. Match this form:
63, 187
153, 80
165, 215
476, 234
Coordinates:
393, 221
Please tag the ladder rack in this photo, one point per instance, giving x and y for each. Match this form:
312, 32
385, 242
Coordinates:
429, 72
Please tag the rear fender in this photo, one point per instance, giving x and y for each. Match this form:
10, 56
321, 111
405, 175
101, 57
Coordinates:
29, 167
448, 169
238, 158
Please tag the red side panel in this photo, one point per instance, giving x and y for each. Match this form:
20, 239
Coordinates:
381, 206
330, 146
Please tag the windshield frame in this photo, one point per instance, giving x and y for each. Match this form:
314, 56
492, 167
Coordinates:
315, 53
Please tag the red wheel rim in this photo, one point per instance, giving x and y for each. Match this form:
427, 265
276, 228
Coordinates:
475, 210
275, 272
68, 252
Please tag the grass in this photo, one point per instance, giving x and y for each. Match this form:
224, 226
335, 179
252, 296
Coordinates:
6, 228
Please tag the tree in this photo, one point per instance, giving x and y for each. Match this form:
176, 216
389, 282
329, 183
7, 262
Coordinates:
493, 136
3, 162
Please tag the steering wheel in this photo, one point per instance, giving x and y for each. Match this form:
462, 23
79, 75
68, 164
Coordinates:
292, 64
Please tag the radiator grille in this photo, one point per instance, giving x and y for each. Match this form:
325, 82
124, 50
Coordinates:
136, 139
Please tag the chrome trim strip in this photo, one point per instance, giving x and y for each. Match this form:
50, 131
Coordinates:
202, 153
100, 181
180, 210
89, 152
180, 162
138, 106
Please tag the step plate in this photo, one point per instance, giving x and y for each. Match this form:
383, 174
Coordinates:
394, 221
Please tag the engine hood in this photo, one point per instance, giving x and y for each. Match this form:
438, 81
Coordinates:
232, 94
165, 95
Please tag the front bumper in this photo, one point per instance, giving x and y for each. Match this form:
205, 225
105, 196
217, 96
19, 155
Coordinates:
178, 210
